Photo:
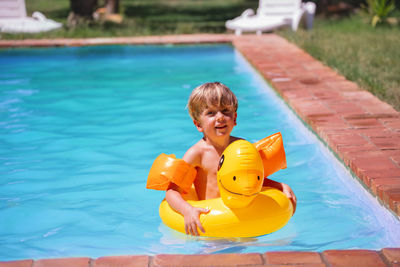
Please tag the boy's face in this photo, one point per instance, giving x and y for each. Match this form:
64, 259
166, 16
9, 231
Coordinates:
216, 121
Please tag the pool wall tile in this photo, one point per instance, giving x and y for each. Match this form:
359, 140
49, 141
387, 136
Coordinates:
346, 258
392, 255
292, 257
23, 263
62, 262
126, 261
207, 260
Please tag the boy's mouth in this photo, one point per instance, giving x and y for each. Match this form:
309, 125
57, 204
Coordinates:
220, 127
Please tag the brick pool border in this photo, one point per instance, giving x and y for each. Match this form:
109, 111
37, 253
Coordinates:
363, 258
361, 130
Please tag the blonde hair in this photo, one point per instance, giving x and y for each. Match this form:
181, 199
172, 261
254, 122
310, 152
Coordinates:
207, 95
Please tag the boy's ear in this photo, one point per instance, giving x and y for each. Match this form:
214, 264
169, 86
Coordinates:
234, 118
198, 125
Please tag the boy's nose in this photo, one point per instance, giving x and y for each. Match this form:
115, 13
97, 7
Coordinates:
220, 116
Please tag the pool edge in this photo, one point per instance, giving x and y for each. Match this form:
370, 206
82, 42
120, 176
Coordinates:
365, 258
362, 131
142, 40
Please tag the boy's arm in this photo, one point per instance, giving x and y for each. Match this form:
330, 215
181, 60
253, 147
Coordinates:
174, 198
190, 214
284, 188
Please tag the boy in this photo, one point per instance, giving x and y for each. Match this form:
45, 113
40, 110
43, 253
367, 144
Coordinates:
213, 107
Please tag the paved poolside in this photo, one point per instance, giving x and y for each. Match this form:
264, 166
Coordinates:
361, 130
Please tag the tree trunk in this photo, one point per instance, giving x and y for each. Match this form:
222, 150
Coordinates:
112, 6
81, 12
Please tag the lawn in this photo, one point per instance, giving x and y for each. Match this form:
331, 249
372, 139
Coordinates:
366, 55
146, 17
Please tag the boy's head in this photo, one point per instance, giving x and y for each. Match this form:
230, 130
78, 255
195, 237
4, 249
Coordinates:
207, 95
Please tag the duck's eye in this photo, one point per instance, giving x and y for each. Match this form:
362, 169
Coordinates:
258, 177
221, 161
234, 178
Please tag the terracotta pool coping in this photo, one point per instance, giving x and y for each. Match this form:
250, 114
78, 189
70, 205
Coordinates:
331, 258
162, 39
361, 130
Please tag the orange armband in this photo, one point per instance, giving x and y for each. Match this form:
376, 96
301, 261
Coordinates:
167, 169
272, 153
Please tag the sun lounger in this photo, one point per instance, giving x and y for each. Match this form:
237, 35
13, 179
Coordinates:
13, 19
272, 14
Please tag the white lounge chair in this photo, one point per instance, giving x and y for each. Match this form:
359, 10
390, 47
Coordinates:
13, 19
272, 14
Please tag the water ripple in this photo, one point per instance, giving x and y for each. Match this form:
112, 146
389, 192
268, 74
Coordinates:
75, 154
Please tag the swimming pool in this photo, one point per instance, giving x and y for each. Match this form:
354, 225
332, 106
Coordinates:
80, 127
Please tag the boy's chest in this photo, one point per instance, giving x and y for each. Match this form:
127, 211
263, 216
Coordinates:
209, 163
207, 177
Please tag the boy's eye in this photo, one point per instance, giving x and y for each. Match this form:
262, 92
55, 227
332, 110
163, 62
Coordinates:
227, 111
209, 112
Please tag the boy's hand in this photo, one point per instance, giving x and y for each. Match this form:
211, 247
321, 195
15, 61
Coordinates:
290, 195
192, 220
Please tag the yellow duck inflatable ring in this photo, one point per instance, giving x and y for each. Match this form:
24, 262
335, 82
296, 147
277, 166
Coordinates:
245, 208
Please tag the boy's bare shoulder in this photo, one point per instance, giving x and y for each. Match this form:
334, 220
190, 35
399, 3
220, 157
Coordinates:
234, 138
193, 154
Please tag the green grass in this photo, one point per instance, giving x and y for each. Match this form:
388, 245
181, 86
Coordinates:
369, 56
144, 17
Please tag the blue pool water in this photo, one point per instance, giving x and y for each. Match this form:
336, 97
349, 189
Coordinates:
80, 127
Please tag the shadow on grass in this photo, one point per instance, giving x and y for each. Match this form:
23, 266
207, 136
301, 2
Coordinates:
58, 14
189, 11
